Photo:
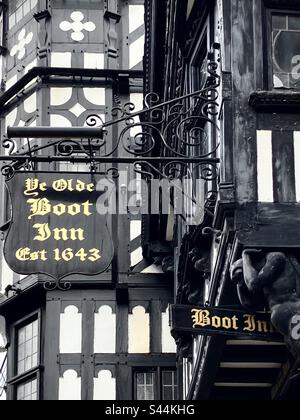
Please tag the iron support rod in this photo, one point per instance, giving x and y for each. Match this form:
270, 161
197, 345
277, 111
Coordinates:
117, 160
55, 132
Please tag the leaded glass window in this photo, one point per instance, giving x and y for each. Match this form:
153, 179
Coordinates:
169, 385
19, 9
286, 50
27, 347
27, 391
145, 386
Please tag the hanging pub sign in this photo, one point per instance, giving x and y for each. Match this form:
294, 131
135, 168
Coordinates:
215, 321
55, 227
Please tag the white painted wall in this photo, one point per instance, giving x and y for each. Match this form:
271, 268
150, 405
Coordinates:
136, 17
105, 331
167, 341
264, 166
70, 386
139, 331
70, 331
105, 386
136, 51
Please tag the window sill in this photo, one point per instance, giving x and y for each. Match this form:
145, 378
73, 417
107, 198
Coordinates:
25, 376
276, 101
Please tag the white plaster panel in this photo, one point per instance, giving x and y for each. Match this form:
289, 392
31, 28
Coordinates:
94, 61
60, 96
61, 59
136, 17
139, 331
70, 386
30, 104
70, 331
105, 331
59, 121
95, 95
136, 52
168, 342
105, 386
264, 166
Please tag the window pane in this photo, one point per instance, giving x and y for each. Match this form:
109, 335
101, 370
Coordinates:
169, 385
27, 347
19, 14
140, 378
286, 53
21, 352
12, 20
168, 393
145, 386
149, 393
167, 378
26, 7
140, 393
279, 22
149, 378
35, 328
294, 23
27, 391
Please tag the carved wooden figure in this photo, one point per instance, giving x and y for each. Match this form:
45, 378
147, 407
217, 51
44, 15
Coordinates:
272, 278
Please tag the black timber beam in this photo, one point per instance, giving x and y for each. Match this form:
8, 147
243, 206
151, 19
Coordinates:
66, 72
268, 225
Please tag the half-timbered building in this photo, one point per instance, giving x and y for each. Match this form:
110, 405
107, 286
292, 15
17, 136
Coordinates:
244, 58
62, 64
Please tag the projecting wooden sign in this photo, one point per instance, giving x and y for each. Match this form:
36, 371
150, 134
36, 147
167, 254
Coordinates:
55, 228
216, 321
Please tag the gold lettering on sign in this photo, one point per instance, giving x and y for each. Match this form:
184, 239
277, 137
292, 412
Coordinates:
86, 208
226, 323
59, 234
262, 326
249, 321
44, 232
203, 318
66, 234
42, 207
33, 184
234, 323
25, 254
39, 207
200, 318
95, 255
216, 322
61, 185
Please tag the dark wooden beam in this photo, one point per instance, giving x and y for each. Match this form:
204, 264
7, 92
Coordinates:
268, 225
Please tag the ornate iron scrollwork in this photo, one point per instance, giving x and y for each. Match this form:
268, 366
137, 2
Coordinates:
175, 128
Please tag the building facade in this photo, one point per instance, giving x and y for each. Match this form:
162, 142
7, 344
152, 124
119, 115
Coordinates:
216, 92
242, 57
108, 336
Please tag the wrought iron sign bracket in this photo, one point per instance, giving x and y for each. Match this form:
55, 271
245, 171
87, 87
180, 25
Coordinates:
164, 140
173, 129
